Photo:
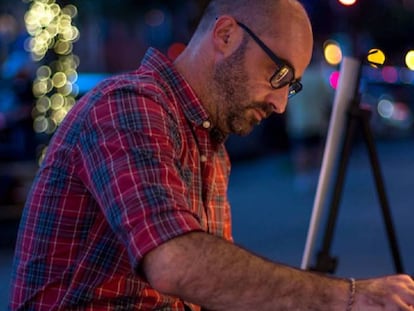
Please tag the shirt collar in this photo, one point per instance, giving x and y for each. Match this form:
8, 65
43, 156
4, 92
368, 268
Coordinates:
192, 106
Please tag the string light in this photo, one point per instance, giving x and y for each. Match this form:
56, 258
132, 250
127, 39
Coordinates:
52, 33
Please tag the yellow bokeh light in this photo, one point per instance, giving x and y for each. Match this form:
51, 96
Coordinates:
40, 88
50, 29
43, 72
409, 59
57, 101
40, 124
45, 20
55, 9
332, 52
72, 74
70, 61
65, 90
51, 126
43, 104
63, 47
376, 57
59, 79
59, 115
70, 10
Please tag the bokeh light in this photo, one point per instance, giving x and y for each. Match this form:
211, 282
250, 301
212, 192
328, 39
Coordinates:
406, 75
397, 114
332, 52
175, 50
376, 57
154, 18
409, 59
334, 79
390, 74
385, 108
52, 31
347, 2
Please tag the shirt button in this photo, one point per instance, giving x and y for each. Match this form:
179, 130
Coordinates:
206, 124
203, 158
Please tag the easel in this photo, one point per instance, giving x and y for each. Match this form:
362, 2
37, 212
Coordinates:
347, 114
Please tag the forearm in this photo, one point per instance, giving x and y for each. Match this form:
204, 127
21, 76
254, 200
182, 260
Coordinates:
221, 276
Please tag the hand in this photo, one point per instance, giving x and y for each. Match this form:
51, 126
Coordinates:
389, 293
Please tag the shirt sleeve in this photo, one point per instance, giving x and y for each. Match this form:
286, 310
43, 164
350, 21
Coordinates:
129, 149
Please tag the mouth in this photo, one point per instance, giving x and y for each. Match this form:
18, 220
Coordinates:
259, 114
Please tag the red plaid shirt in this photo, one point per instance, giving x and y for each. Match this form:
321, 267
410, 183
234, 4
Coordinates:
132, 166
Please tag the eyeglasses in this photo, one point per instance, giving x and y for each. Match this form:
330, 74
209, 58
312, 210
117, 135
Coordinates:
284, 74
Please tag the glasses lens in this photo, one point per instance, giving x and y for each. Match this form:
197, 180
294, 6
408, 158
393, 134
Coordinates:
283, 76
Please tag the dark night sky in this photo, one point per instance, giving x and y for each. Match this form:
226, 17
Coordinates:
388, 24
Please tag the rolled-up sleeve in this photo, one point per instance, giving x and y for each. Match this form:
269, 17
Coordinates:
130, 163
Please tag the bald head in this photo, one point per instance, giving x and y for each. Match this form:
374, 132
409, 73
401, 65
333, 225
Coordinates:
283, 22
262, 15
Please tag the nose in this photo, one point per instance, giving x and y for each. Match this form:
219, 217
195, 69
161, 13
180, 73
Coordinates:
278, 99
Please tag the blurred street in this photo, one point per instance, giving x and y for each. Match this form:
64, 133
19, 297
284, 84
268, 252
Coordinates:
272, 207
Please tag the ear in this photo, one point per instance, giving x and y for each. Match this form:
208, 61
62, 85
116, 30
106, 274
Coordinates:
227, 35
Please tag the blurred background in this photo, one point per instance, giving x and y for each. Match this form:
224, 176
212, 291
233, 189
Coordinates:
52, 52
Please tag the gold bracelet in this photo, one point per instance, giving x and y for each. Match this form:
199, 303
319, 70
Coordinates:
351, 300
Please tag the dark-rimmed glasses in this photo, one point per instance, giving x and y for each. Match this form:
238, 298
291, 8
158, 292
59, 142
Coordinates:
284, 74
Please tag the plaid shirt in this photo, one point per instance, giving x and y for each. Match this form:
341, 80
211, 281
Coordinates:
132, 166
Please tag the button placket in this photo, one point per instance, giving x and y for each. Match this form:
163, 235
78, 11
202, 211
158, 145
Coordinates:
206, 124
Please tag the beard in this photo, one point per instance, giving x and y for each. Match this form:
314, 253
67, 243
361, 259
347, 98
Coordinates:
230, 90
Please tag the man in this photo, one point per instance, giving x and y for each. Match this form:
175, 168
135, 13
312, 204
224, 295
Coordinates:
129, 208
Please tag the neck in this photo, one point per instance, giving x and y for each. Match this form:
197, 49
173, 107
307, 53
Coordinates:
197, 70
